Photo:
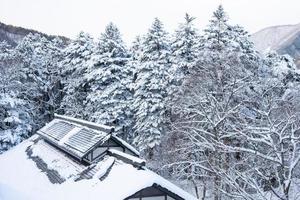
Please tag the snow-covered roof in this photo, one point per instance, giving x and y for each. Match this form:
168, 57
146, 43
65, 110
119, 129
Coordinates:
79, 137
88, 124
76, 139
126, 157
36, 170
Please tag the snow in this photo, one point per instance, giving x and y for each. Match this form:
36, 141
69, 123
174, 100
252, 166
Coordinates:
68, 135
83, 122
103, 167
273, 37
10, 193
20, 177
56, 161
20, 174
125, 155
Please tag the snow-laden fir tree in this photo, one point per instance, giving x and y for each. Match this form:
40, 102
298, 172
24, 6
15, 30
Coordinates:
4, 48
6, 65
15, 121
77, 56
184, 53
184, 46
136, 48
151, 87
109, 79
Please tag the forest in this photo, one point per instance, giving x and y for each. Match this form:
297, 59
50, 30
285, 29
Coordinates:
203, 106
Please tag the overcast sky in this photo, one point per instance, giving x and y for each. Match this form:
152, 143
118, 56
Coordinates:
68, 17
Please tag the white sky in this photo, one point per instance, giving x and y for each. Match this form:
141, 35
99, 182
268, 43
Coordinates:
68, 17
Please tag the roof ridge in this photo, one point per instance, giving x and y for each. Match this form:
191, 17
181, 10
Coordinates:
92, 125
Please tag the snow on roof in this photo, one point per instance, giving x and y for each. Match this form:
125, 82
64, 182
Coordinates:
21, 175
56, 160
140, 162
72, 138
85, 123
78, 137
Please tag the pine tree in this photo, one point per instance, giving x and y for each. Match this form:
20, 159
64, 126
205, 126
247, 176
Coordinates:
6, 65
110, 80
74, 67
184, 46
15, 121
151, 87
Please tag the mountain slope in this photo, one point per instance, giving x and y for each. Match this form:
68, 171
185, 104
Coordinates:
13, 35
283, 39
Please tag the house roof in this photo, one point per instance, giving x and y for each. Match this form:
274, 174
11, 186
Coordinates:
35, 170
78, 137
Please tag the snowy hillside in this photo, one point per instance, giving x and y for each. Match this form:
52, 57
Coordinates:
273, 37
13, 34
283, 39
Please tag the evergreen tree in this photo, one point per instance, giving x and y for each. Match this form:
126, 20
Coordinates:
185, 46
136, 48
109, 78
15, 121
151, 87
74, 67
6, 65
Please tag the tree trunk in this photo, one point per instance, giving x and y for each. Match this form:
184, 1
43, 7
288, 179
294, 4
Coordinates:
196, 189
204, 191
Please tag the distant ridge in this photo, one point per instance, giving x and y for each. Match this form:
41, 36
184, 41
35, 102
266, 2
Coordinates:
14, 34
284, 39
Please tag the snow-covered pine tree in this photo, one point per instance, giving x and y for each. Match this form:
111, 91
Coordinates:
6, 62
136, 48
77, 56
184, 46
15, 121
151, 87
135, 52
109, 79
4, 48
